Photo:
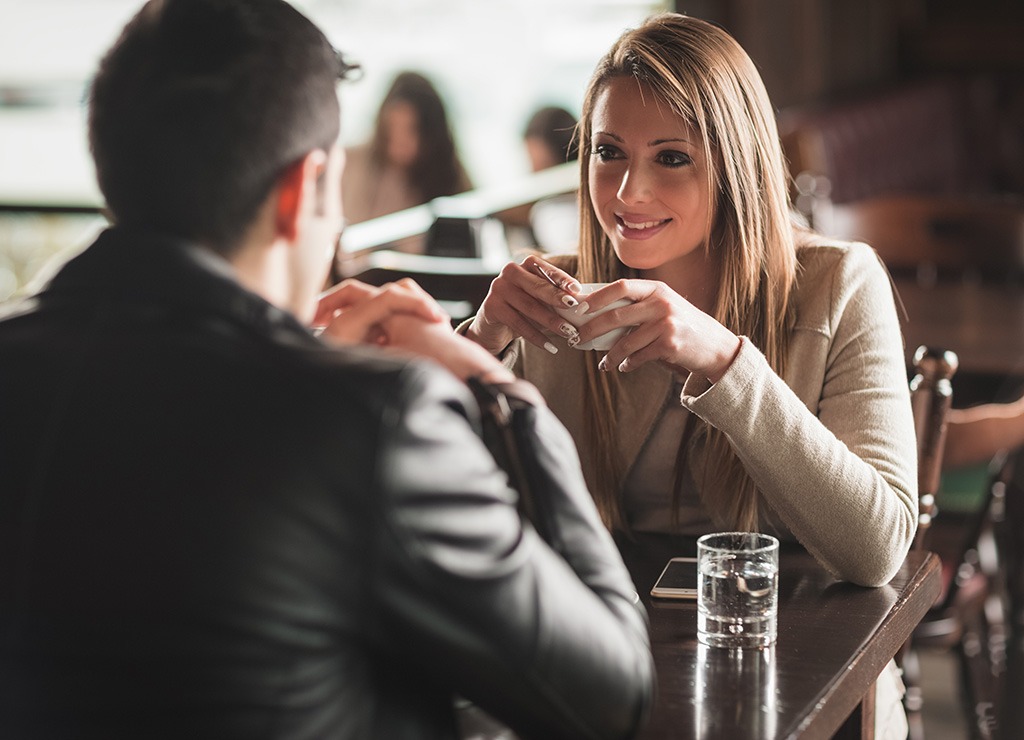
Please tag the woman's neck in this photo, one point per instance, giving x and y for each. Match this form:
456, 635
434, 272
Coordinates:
694, 276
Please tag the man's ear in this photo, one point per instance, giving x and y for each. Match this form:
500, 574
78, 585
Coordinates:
297, 192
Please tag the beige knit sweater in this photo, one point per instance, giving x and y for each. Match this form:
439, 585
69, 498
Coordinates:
831, 446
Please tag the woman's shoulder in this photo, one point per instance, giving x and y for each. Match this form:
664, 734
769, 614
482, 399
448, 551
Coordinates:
820, 257
831, 273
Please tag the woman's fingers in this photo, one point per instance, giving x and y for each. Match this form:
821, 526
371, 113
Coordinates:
641, 345
666, 328
565, 285
520, 315
522, 302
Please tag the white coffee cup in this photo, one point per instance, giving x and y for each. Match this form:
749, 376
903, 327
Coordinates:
572, 315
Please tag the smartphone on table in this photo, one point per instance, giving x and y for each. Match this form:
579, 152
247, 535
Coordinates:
678, 580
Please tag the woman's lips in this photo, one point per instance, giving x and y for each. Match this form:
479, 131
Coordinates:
639, 227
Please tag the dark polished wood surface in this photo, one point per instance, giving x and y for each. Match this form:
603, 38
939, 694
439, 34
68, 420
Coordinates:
834, 639
982, 322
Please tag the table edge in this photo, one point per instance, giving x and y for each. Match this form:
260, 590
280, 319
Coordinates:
835, 705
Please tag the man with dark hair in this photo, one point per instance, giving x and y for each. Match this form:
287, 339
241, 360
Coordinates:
215, 524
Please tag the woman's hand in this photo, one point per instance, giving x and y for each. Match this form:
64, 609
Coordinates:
521, 303
354, 312
667, 328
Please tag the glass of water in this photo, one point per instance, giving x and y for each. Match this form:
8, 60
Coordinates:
738, 589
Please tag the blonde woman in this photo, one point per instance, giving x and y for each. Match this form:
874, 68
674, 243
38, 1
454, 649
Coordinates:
762, 382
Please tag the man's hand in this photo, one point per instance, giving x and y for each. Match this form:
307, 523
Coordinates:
354, 313
402, 316
462, 356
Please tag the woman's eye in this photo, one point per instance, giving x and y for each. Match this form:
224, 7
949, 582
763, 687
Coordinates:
605, 152
674, 159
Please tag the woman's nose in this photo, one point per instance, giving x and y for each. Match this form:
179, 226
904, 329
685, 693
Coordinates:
635, 186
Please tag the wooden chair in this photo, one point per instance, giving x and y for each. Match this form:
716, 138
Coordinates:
969, 618
931, 397
1012, 549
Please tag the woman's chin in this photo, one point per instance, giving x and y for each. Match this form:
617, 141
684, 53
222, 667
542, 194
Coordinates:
637, 262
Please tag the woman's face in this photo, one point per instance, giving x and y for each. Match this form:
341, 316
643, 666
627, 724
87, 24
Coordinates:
401, 133
648, 177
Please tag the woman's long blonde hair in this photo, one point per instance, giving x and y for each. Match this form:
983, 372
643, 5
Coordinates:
706, 78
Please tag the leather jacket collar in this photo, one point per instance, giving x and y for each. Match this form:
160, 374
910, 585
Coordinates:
147, 268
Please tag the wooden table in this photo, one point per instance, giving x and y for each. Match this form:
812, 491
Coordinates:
982, 322
834, 639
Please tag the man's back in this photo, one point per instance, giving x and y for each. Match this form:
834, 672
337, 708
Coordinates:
178, 482
216, 526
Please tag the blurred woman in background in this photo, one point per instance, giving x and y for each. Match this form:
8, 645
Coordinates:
411, 158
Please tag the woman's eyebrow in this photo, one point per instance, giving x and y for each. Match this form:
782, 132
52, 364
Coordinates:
655, 142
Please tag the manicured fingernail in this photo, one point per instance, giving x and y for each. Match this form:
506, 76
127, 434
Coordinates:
569, 301
582, 308
624, 366
551, 348
568, 330
573, 341
573, 286
603, 364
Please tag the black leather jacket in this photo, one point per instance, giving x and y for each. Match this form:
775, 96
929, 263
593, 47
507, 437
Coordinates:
214, 525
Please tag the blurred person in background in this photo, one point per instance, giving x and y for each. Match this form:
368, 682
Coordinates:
411, 158
550, 140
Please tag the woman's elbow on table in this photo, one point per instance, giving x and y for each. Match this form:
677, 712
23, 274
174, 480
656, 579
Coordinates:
883, 554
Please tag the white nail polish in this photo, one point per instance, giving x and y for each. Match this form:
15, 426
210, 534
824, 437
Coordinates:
603, 365
568, 330
624, 365
551, 348
582, 308
569, 301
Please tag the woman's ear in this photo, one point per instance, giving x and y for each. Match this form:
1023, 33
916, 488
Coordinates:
297, 193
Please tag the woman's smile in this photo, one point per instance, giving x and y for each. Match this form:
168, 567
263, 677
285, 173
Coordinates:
639, 227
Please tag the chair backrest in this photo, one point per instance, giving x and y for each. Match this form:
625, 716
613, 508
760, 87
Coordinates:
1011, 533
931, 397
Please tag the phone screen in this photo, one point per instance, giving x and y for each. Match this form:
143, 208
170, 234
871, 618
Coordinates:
678, 580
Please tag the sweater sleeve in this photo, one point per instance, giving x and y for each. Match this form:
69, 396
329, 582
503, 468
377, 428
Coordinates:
842, 476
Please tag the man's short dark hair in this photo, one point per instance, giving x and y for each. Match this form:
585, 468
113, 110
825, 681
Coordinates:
199, 107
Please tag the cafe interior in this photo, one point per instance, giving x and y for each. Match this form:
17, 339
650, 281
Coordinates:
903, 125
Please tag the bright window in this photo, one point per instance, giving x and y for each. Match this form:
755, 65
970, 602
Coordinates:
493, 62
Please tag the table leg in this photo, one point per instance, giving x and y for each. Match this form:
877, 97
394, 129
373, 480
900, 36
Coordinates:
860, 725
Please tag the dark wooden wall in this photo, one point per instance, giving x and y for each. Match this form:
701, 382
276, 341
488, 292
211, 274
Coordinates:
817, 50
